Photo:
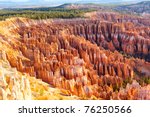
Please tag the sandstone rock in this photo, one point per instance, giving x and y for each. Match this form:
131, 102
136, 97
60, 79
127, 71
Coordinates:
79, 56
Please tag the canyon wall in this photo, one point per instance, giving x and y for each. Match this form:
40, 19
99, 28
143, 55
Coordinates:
81, 56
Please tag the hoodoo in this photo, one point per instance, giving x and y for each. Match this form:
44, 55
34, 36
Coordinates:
77, 58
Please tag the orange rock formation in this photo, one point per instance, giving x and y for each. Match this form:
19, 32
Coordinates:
81, 56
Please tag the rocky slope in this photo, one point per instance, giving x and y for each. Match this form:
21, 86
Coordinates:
15, 85
81, 56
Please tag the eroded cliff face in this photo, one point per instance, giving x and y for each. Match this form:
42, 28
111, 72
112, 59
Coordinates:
15, 85
71, 55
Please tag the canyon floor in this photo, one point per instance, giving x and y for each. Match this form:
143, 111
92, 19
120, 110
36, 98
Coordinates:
103, 56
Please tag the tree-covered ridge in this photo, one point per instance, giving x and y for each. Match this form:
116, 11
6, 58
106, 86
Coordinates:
42, 13
141, 7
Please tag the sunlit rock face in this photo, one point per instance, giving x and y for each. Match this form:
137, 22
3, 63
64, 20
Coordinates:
81, 56
15, 85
